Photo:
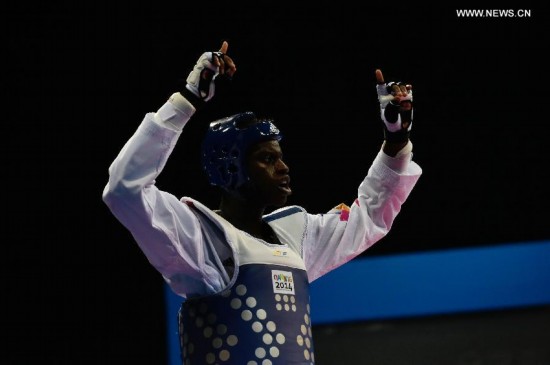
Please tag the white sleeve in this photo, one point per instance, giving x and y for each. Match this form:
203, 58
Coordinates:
334, 238
166, 229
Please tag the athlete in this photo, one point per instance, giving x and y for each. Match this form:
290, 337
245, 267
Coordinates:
244, 275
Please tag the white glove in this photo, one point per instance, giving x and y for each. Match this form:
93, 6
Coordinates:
397, 123
201, 79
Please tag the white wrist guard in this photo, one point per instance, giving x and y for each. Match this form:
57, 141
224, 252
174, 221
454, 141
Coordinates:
201, 79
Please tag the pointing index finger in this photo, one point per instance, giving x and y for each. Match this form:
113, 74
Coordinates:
379, 76
224, 47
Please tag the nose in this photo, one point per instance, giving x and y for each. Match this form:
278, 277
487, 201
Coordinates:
282, 167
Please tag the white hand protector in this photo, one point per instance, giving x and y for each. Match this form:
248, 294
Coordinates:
397, 121
201, 79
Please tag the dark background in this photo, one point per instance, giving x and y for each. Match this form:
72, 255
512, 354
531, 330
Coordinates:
81, 77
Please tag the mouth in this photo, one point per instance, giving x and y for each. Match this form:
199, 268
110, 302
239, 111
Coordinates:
284, 186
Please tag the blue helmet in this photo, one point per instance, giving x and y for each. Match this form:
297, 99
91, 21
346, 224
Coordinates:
225, 146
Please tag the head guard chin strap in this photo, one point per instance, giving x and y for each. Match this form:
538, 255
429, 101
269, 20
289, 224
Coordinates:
226, 144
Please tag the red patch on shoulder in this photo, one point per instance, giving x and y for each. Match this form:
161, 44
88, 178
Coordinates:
344, 215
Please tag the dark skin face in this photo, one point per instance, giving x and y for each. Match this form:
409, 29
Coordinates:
268, 174
268, 187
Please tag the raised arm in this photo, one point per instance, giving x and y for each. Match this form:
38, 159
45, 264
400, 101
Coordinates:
167, 230
334, 238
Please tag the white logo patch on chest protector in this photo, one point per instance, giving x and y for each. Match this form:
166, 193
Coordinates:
283, 282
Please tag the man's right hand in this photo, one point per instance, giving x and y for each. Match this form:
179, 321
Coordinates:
201, 80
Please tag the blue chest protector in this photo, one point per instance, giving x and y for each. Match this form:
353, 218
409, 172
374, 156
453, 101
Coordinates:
263, 316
